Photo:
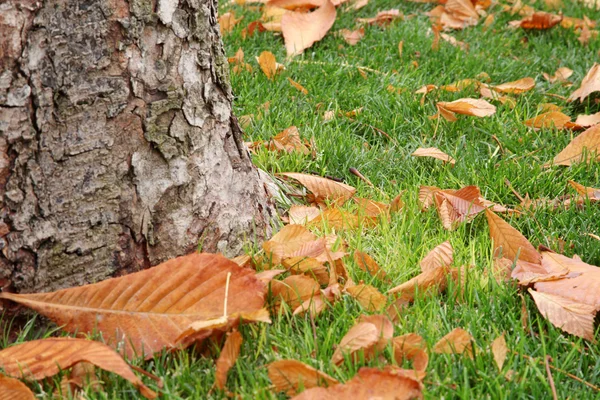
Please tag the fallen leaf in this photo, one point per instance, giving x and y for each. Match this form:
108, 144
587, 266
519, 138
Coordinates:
516, 87
289, 240
428, 280
289, 141
38, 359
268, 64
368, 264
457, 206
588, 120
301, 30
561, 75
239, 65
568, 315
294, 290
82, 374
589, 84
435, 153
586, 146
369, 383
499, 351
513, 244
383, 18
228, 356
318, 303
291, 376
368, 297
308, 266
144, 312
412, 347
227, 21
400, 46
538, 20
586, 192
352, 37
467, 106
456, 342
454, 42
440, 256
552, 119
335, 218
302, 214
323, 189
14, 389
298, 86
361, 336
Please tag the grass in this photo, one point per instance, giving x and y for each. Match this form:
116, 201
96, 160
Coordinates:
486, 309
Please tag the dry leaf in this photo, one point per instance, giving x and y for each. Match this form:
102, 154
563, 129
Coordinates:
412, 347
38, 359
586, 144
361, 336
538, 20
425, 281
301, 30
454, 42
352, 37
456, 342
227, 21
317, 303
268, 64
368, 264
568, 315
516, 87
499, 351
588, 120
294, 290
289, 141
589, 84
453, 206
302, 214
502, 270
334, 218
467, 106
561, 75
369, 383
298, 86
383, 18
552, 119
435, 153
290, 376
322, 188
308, 266
586, 192
14, 389
228, 356
512, 242
400, 46
368, 297
440, 256
148, 310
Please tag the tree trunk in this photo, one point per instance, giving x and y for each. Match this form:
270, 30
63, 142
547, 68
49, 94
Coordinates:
118, 147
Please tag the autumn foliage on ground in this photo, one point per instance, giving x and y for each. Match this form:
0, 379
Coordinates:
335, 305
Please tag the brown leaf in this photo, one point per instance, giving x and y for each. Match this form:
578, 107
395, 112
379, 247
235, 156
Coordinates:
456, 342
515, 87
301, 30
412, 347
294, 290
302, 214
427, 196
361, 336
435, 153
335, 218
368, 264
440, 256
369, 383
589, 84
561, 75
538, 20
587, 192
466, 106
227, 21
352, 37
149, 310
308, 266
368, 297
499, 351
317, 303
298, 86
587, 143
323, 188
512, 242
428, 280
290, 376
552, 119
383, 18
456, 206
38, 359
588, 120
228, 356
289, 141
268, 64
454, 42
13, 389
288, 241
568, 315
502, 270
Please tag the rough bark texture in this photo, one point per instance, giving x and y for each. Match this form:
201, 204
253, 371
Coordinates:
118, 148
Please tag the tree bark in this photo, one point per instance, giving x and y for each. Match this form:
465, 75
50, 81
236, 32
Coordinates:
118, 147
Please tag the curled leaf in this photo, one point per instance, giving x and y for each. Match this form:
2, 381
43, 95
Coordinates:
14, 389
291, 375
589, 84
434, 153
301, 30
228, 356
456, 342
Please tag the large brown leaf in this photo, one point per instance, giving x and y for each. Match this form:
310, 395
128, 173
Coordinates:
512, 242
587, 143
148, 310
39, 359
302, 30
292, 375
323, 188
369, 383
14, 389
589, 85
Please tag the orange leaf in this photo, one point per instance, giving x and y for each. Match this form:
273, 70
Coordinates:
301, 30
323, 188
512, 242
308, 266
13, 389
366, 263
227, 21
515, 87
383, 18
368, 297
561, 75
298, 86
425, 281
294, 290
302, 214
586, 192
412, 347
148, 310
268, 64
39, 359
466, 106
290, 376
440, 256
552, 119
435, 153
361, 336
335, 218
538, 20
568, 315
289, 141
427, 196
228, 356
499, 351
352, 37
456, 342
287, 241
587, 143
369, 383
589, 84
588, 120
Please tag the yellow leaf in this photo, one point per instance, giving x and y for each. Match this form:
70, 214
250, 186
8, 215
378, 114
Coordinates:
301, 30
499, 351
368, 297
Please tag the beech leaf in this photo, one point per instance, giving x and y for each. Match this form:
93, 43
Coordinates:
14, 389
435, 153
368, 297
440, 256
227, 358
499, 351
456, 342
586, 144
301, 30
589, 84
512, 242
291, 375
323, 188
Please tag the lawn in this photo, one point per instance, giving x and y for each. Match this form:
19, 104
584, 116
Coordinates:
488, 152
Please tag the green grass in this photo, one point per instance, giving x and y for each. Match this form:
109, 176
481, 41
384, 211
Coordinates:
486, 309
